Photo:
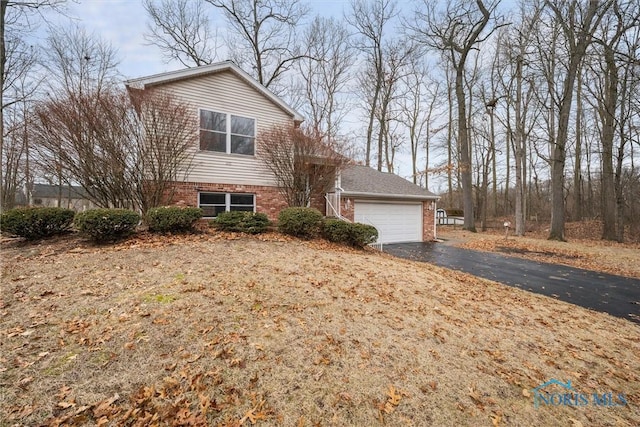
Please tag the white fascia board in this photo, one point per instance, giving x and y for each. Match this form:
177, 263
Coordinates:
347, 193
171, 76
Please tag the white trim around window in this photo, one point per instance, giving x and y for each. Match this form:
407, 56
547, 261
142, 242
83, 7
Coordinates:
213, 203
226, 133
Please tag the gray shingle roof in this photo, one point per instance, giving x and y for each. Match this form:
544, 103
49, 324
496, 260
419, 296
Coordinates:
51, 191
359, 180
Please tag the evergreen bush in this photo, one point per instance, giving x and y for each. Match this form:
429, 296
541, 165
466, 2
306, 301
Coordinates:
107, 224
243, 222
34, 223
300, 222
172, 218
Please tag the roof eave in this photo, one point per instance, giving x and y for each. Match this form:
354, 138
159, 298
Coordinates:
172, 76
389, 196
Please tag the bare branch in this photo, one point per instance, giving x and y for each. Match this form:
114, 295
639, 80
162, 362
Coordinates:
182, 31
304, 166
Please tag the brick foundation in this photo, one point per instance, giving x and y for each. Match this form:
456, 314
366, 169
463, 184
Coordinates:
268, 199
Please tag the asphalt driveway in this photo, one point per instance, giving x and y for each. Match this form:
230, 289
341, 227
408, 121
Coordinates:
616, 295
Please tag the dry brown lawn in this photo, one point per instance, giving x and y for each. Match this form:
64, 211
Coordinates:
219, 329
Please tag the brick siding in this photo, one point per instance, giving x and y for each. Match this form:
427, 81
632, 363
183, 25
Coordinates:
428, 224
268, 199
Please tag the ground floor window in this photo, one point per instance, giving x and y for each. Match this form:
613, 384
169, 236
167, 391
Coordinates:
214, 203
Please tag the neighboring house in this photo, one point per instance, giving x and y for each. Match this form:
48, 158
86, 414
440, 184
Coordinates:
399, 209
233, 109
46, 195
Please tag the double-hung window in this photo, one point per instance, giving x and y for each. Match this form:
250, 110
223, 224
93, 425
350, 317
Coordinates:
214, 203
227, 133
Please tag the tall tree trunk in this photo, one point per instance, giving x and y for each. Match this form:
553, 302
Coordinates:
492, 153
465, 152
3, 60
606, 111
507, 178
577, 167
372, 116
450, 142
519, 153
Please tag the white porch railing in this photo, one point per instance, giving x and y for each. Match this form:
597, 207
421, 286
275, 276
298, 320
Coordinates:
333, 205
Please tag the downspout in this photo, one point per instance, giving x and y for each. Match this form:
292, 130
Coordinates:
435, 220
339, 194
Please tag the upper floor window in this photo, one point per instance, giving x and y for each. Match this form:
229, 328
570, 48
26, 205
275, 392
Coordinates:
227, 133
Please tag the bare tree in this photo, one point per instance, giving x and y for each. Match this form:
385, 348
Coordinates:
607, 79
125, 150
457, 30
19, 92
162, 136
265, 40
519, 89
303, 165
17, 61
325, 73
182, 31
578, 21
418, 109
79, 62
369, 19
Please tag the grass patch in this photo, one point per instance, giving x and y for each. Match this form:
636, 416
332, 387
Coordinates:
159, 298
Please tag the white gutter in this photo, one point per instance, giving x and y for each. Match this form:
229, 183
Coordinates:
347, 193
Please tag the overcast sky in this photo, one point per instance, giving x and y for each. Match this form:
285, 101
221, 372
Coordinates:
124, 22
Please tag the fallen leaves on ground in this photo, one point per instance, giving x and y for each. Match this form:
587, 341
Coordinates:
608, 257
225, 330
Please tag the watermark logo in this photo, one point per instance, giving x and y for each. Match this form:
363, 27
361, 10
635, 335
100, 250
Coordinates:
546, 394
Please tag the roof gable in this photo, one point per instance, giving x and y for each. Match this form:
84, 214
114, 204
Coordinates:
364, 181
207, 70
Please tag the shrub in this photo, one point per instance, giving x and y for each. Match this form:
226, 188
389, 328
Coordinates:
34, 223
354, 234
363, 234
244, 222
336, 230
107, 224
172, 218
300, 222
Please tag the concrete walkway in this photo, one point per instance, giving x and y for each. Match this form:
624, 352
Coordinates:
616, 295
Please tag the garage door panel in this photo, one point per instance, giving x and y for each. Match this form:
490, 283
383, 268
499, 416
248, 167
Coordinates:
396, 222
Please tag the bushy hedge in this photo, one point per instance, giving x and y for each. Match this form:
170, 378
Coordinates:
300, 222
336, 230
363, 234
172, 218
34, 223
354, 234
107, 224
243, 222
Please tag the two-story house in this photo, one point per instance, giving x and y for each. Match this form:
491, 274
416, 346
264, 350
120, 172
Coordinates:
227, 173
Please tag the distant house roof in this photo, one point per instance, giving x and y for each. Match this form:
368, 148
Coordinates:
204, 70
47, 191
364, 181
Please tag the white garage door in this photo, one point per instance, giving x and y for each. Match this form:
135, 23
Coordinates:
396, 222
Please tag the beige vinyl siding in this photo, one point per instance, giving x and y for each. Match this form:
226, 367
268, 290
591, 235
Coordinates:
225, 92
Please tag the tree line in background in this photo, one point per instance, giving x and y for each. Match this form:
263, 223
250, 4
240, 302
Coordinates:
527, 112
